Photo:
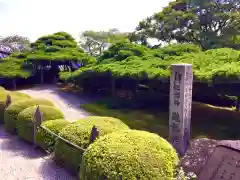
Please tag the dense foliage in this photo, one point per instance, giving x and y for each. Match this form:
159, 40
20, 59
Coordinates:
3, 96
129, 155
25, 119
59, 47
78, 133
44, 138
140, 63
13, 67
210, 24
12, 111
47, 53
18, 96
15, 96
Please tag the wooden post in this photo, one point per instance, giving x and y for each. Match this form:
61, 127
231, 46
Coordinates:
94, 134
36, 123
180, 106
8, 101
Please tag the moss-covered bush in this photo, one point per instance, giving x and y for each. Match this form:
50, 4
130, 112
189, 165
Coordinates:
15, 96
78, 133
2, 89
18, 96
3, 95
25, 120
12, 111
128, 155
45, 139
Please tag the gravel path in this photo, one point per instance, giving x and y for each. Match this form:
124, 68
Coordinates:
69, 104
19, 160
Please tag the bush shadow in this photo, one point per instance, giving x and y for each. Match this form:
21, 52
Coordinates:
50, 170
18, 147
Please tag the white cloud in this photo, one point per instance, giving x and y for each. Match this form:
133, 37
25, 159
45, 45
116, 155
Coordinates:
34, 18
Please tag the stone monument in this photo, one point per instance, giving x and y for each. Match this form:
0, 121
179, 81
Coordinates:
180, 106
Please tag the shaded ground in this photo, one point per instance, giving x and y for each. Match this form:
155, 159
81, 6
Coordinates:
69, 104
200, 150
207, 121
20, 161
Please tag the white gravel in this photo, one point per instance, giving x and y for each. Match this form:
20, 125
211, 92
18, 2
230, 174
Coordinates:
19, 160
69, 104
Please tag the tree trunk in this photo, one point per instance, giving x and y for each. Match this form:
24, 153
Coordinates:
74, 83
113, 86
238, 104
55, 79
41, 76
136, 88
14, 84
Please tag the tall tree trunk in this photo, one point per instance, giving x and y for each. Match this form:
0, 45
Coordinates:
238, 104
55, 79
113, 86
14, 84
41, 75
136, 87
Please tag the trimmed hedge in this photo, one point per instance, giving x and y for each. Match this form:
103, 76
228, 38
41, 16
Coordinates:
25, 120
45, 139
128, 155
11, 112
78, 133
3, 96
15, 96
18, 96
2, 89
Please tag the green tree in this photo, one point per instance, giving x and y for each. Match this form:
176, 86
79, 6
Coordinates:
208, 23
12, 68
54, 50
95, 42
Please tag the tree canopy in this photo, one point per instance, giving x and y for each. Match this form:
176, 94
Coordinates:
13, 66
95, 42
208, 23
49, 50
138, 62
59, 46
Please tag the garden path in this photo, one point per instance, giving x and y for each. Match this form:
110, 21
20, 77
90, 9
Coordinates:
20, 161
69, 104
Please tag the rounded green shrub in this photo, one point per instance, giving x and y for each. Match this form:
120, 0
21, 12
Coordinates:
15, 96
45, 139
128, 155
18, 96
3, 96
25, 120
12, 111
78, 133
2, 89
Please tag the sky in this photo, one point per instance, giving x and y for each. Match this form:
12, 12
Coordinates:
35, 18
